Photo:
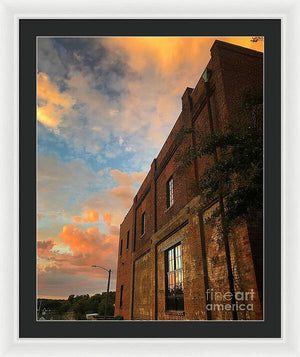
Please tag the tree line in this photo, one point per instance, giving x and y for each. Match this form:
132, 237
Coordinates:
76, 307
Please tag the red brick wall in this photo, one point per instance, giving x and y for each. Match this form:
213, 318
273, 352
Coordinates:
242, 69
242, 267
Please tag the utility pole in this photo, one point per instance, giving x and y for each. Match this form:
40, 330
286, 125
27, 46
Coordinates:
107, 291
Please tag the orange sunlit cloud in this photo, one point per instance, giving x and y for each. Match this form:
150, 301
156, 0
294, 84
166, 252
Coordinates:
88, 247
124, 193
81, 241
85, 246
107, 218
53, 104
169, 53
126, 179
93, 216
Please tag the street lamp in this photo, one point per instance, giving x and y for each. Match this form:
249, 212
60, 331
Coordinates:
108, 282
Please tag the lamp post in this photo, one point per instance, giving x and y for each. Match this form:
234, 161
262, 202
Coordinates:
108, 282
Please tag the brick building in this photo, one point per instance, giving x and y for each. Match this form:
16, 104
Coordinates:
172, 262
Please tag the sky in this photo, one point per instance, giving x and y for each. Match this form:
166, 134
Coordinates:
104, 109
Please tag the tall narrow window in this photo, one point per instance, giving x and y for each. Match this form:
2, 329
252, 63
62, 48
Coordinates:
121, 295
127, 241
121, 246
170, 194
174, 279
143, 223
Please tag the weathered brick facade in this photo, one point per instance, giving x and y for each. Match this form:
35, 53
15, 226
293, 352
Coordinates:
141, 266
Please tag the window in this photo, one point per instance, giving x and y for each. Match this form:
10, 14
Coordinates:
121, 247
127, 241
170, 195
143, 223
174, 278
121, 295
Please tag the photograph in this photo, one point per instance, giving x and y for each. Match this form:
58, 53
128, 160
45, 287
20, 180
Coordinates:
150, 178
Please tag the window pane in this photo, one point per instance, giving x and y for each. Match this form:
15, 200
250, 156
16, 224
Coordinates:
171, 265
171, 191
171, 254
179, 282
178, 262
171, 280
178, 278
178, 251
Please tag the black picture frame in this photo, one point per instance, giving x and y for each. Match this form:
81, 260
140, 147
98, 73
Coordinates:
29, 29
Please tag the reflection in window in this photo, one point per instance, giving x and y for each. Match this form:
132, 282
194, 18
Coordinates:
174, 279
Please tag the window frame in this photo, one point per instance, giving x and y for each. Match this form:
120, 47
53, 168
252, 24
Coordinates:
121, 247
143, 223
167, 271
127, 240
121, 295
170, 192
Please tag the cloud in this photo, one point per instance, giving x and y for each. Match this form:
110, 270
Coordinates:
86, 241
127, 179
89, 217
45, 245
114, 230
132, 89
166, 54
44, 248
53, 104
93, 216
68, 270
114, 203
124, 193
60, 183
107, 218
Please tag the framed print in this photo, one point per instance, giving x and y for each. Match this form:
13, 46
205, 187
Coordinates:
140, 227
149, 178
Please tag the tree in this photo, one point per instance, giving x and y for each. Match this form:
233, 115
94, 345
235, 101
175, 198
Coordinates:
110, 306
71, 299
